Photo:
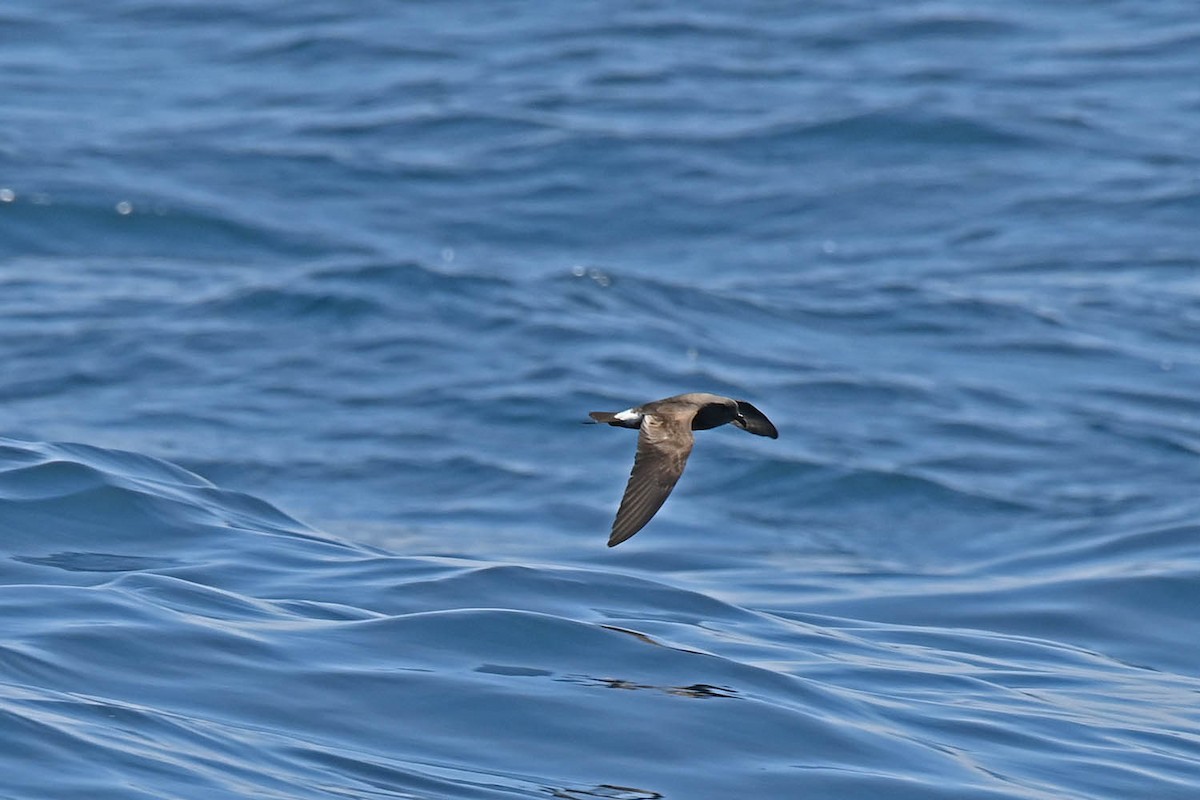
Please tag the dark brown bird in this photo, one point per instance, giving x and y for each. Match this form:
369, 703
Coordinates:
664, 444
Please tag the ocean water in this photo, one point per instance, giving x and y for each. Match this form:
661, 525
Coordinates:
302, 305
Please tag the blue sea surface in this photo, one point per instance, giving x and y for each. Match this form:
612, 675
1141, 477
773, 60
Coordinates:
302, 305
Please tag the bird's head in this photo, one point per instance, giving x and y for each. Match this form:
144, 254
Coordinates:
750, 419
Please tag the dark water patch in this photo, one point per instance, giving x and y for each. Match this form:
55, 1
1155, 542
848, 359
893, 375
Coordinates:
925, 492
118, 224
899, 129
924, 26
96, 562
1160, 44
290, 305
605, 791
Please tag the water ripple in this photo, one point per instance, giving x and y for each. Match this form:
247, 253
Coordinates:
426, 659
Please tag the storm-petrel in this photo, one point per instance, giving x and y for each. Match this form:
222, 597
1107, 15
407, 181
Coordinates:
664, 444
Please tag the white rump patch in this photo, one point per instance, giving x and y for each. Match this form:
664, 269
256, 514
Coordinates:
628, 415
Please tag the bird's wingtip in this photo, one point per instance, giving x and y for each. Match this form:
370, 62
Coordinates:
616, 537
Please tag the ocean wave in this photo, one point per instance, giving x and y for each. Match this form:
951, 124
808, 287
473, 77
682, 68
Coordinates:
168, 616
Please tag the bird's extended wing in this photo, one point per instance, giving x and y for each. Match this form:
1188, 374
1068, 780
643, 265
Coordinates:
664, 444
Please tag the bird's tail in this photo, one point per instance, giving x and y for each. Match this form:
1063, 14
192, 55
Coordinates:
603, 416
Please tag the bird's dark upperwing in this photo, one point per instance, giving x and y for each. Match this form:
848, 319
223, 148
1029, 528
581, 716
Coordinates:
664, 444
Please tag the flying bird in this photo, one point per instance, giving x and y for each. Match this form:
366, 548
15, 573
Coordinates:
664, 444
